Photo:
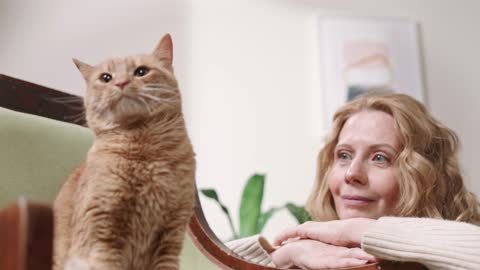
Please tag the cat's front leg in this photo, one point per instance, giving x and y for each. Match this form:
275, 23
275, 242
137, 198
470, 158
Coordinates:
76, 263
62, 234
95, 243
63, 208
168, 250
100, 259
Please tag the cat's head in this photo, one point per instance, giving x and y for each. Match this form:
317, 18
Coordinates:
124, 91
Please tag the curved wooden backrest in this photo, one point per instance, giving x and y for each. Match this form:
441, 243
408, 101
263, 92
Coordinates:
30, 98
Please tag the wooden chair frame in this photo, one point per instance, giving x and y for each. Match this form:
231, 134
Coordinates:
26, 233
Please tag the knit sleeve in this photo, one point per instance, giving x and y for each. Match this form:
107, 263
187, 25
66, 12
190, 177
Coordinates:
437, 244
254, 248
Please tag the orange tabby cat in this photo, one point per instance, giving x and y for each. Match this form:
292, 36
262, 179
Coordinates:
127, 206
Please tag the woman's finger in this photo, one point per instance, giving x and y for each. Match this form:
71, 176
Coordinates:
309, 230
281, 257
345, 262
285, 235
300, 231
313, 254
346, 232
330, 262
357, 253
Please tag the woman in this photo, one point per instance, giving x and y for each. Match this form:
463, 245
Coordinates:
386, 156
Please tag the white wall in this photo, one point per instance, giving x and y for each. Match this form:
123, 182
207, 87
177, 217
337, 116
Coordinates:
249, 73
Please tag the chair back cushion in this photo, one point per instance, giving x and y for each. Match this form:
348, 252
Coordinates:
37, 155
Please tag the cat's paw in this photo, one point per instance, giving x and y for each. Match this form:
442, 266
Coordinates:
76, 264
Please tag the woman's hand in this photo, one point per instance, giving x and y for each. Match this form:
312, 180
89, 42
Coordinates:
312, 255
345, 233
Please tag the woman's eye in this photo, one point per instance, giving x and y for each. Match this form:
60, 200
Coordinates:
105, 77
141, 71
380, 158
343, 156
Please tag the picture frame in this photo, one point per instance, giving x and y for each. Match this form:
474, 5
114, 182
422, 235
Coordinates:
364, 53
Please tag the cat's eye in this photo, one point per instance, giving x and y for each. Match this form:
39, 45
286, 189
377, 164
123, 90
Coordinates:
141, 71
105, 77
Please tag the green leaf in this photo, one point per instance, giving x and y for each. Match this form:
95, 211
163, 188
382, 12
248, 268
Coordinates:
212, 194
264, 217
298, 212
251, 203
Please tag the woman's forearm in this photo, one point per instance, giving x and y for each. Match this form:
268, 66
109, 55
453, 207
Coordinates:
438, 244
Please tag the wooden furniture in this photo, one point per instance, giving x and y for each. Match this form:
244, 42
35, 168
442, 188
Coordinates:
26, 228
26, 233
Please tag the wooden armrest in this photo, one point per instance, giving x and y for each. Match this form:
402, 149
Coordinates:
26, 236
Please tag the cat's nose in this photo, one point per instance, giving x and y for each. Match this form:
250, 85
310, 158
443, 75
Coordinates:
122, 84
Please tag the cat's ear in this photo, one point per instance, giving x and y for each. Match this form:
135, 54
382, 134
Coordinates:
84, 68
164, 51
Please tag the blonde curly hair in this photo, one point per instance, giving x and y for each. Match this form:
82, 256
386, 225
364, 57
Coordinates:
430, 181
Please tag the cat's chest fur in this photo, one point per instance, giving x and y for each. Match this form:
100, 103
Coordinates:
139, 167
138, 186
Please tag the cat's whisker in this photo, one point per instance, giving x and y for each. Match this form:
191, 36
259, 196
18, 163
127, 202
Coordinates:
80, 114
145, 103
79, 120
161, 90
68, 101
158, 86
169, 100
76, 118
166, 100
73, 102
161, 85
155, 88
64, 99
150, 97
78, 108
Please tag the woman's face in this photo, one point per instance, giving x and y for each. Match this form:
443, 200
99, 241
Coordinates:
363, 180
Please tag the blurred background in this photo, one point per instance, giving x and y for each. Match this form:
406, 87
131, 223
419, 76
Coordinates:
250, 76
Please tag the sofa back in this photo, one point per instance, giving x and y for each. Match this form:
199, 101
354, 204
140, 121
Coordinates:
37, 154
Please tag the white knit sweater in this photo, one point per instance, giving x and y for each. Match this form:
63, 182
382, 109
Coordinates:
437, 244
253, 248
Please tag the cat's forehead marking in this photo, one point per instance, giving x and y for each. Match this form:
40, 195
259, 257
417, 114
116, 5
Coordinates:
119, 64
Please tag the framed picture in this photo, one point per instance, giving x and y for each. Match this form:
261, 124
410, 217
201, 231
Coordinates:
359, 54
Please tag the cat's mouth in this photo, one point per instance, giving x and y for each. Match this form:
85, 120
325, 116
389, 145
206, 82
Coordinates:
125, 98
127, 105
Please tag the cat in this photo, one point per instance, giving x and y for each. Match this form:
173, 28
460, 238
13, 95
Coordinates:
127, 206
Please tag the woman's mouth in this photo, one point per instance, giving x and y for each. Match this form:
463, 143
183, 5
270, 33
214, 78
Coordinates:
356, 200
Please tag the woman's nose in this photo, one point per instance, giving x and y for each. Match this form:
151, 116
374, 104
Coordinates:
356, 173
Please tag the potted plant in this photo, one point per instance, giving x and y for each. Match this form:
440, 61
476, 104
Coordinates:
252, 218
